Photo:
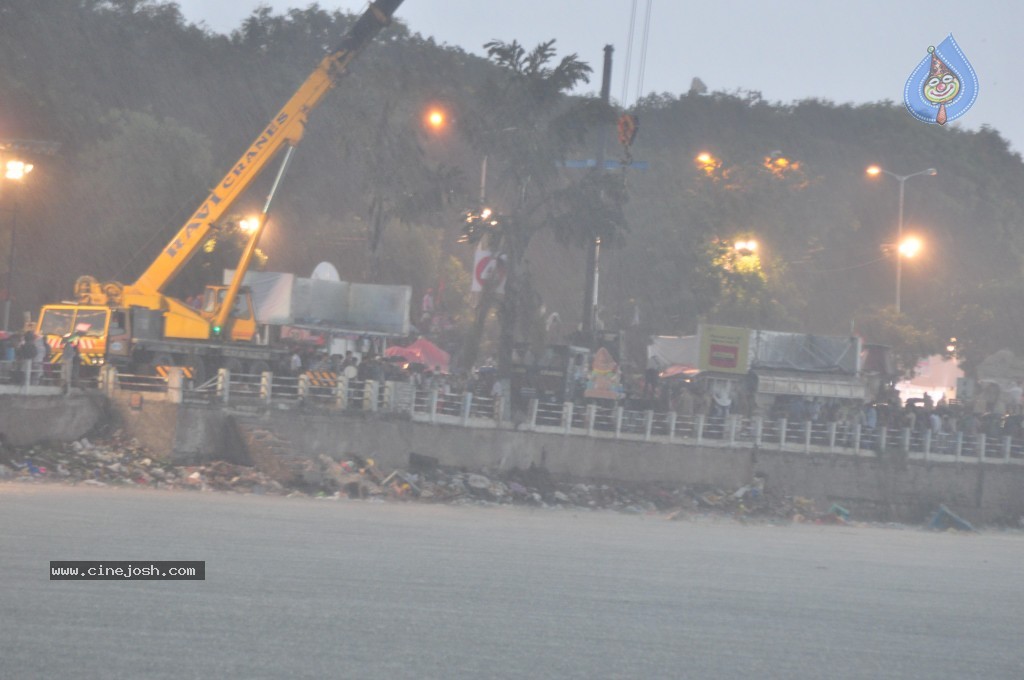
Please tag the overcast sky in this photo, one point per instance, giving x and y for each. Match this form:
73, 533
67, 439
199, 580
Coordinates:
786, 49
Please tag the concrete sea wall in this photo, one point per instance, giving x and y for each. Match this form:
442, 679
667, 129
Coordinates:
873, 487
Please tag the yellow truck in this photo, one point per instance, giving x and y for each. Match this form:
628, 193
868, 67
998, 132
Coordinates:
141, 329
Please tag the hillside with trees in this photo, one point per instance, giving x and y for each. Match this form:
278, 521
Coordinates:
149, 111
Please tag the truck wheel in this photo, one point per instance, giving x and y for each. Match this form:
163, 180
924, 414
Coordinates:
160, 360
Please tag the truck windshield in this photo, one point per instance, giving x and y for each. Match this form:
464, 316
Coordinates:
56, 321
91, 322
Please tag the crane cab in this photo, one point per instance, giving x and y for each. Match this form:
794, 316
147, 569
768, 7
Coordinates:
241, 323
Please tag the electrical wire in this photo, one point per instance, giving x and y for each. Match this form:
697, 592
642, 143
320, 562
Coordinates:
643, 51
629, 55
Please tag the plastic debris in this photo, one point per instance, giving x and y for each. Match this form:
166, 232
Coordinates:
946, 519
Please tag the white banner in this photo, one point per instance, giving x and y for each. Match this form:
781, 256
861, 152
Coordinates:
485, 266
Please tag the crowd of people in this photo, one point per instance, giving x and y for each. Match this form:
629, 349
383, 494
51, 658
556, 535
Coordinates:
26, 359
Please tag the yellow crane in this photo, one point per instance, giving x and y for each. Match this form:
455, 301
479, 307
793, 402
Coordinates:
137, 324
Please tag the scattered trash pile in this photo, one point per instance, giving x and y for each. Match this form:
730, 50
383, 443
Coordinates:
118, 461
123, 462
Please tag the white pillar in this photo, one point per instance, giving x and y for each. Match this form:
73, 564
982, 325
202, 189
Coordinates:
175, 381
267, 386
370, 395
432, 401
341, 392
108, 378
224, 385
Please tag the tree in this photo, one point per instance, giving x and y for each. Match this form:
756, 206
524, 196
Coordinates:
995, 307
908, 342
524, 123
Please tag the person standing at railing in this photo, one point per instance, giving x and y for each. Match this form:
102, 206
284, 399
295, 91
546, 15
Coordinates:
41, 358
69, 361
26, 354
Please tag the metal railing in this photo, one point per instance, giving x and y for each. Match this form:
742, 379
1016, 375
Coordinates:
332, 392
16, 376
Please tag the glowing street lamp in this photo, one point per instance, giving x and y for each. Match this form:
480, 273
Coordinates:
909, 247
707, 163
15, 169
876, 170
435, 119
746, 248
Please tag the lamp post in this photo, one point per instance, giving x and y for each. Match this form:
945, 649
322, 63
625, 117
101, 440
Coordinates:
13, 170
875, 170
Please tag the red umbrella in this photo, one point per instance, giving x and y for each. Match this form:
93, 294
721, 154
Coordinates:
423, 352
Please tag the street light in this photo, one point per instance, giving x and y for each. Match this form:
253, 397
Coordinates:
14, 170
436, 119
876, 170
707, 163
745, 248
909, 247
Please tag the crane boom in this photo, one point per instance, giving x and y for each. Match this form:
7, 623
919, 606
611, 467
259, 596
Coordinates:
285, 128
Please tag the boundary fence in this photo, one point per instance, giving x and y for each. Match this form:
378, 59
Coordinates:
328, 392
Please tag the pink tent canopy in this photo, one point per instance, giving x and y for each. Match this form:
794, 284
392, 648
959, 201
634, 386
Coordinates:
422, 351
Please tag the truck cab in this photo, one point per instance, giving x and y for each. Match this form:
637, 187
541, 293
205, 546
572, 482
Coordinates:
102, 332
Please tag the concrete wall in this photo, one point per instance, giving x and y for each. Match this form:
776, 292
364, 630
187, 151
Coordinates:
176, 434
887, 488
26, 419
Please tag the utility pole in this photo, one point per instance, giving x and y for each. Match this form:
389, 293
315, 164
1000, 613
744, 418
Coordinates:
12, 167
594, 247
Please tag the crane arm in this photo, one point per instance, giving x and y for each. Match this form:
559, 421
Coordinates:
286, 128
